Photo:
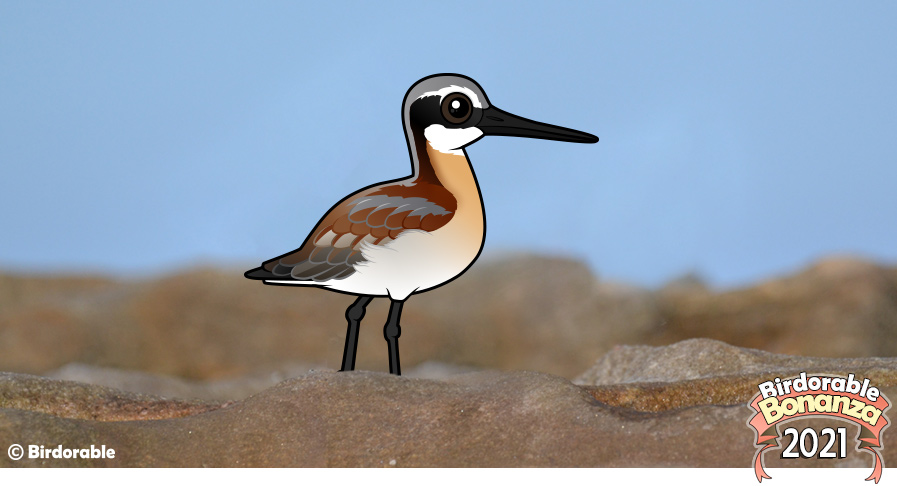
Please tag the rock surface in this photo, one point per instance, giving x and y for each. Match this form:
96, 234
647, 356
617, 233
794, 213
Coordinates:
218, 390
695, 417
546, 314
89, 402
706, 358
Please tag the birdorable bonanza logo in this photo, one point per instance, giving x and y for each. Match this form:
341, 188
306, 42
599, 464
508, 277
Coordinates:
848, 399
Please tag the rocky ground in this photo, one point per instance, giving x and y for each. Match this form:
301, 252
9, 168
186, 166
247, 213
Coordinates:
207, 369
632, 409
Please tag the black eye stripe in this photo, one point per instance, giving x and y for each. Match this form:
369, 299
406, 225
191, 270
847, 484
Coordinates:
456, 108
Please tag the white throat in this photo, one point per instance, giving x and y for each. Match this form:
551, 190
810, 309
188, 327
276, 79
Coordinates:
451, 140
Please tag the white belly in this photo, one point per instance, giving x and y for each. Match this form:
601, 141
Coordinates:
416, 261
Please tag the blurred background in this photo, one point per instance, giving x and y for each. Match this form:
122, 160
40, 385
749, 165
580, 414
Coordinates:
743, 188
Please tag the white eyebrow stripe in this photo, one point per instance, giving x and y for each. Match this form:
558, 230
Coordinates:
442, 93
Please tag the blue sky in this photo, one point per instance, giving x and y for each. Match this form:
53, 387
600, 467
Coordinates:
738, 141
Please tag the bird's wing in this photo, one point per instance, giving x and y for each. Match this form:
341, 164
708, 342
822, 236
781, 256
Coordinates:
333, 249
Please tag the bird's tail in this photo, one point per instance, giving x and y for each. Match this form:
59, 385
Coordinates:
261, 274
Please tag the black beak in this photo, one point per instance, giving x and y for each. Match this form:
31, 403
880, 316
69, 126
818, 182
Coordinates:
498, 122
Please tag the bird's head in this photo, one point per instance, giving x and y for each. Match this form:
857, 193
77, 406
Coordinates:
452, 111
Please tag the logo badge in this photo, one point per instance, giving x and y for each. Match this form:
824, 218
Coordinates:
782, 400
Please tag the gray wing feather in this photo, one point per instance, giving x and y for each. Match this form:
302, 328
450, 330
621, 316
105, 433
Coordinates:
328, 263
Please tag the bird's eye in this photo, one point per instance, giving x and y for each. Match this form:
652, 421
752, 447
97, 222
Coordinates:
456, 108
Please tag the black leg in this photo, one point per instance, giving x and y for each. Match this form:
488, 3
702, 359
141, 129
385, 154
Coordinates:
392, 331
354, 314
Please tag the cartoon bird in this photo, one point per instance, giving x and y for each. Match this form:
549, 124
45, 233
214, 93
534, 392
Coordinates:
414, 234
